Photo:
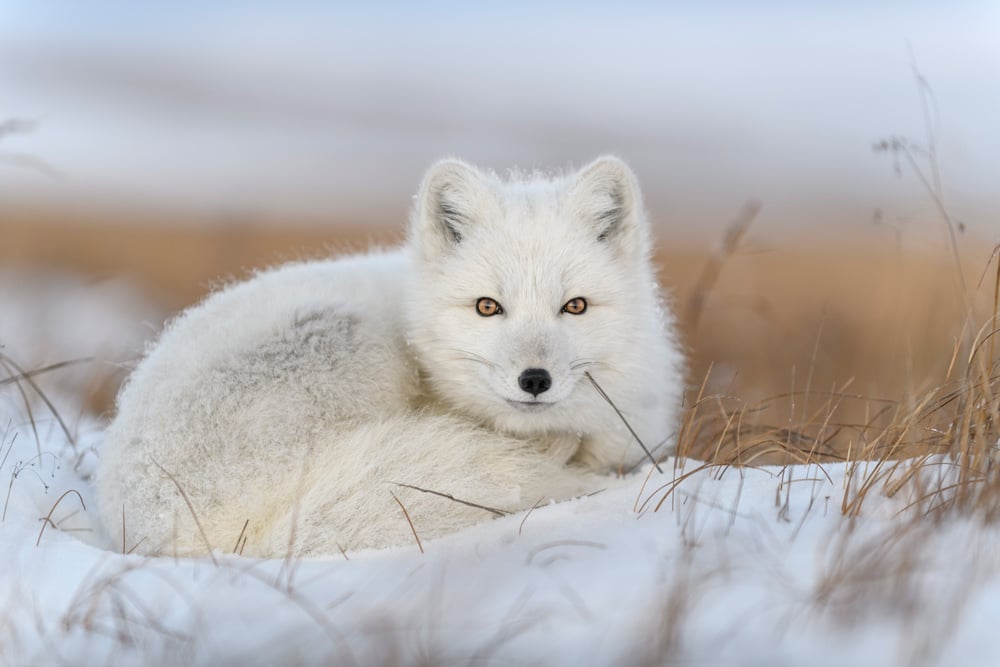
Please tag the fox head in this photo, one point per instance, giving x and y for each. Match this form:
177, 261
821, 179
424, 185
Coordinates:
523, 285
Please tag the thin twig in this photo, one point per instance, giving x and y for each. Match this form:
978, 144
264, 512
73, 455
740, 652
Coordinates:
491, 510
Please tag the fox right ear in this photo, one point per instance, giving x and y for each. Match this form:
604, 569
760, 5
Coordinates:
454, 195
605, 195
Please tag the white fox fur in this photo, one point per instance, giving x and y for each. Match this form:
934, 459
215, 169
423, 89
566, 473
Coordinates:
303, 400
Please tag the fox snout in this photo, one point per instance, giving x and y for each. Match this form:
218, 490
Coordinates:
535, 381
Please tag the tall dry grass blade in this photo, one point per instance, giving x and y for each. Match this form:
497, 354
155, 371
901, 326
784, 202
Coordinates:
288, 563
683, 439
190, 506
408, 520
10, 489
47, 369
520, 526
670, 486
712, 269
982, 337
135, 546
635, 435
48, 517
239, 537
931, 117
994, 257
3, 462
812, 364
903, 147
41, 394
27, 405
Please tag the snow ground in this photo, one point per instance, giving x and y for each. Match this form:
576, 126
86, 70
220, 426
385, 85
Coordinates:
737, 567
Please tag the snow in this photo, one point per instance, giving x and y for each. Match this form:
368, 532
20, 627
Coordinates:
700, 565
736, 566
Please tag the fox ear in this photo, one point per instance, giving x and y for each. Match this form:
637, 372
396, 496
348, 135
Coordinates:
452, 198
605, 195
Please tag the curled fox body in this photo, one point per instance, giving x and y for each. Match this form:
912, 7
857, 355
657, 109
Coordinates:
284, 413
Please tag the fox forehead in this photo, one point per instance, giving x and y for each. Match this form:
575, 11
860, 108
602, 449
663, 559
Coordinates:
510, 268
531, 251
531, 207
529, 218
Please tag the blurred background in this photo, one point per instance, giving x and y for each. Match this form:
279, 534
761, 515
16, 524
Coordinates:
150, 150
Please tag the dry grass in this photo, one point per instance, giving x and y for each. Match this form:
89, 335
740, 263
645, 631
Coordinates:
837, 355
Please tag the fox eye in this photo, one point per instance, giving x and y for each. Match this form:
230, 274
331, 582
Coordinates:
487, 307
577, 306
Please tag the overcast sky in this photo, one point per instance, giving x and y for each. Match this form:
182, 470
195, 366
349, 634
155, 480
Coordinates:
322, 107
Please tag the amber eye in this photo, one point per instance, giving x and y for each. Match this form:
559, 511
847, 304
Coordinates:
577, 306
487, 307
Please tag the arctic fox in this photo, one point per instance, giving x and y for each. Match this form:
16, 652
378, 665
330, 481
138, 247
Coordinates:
302, 411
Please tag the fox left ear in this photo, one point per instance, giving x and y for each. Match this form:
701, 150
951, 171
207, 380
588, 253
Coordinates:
605, 195
453, 200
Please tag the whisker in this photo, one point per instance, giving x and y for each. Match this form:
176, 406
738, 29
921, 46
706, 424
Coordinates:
466, 355
580, 367
577, 364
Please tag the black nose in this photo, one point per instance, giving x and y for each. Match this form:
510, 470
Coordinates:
535, 381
